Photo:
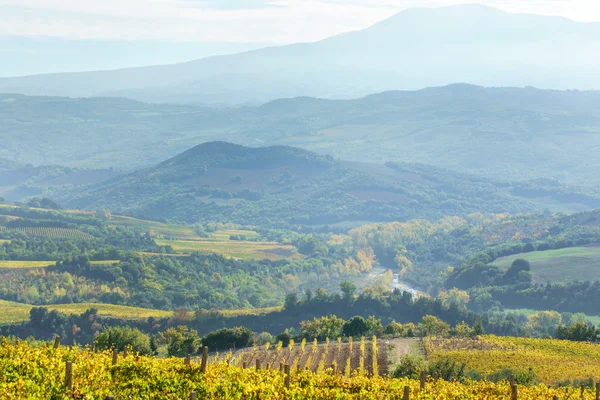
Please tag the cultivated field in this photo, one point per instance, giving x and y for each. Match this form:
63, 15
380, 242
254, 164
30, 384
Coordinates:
12, 312
551, 360
7, 264
184, 241
155, 229
231, 248
58, 233
563, 265
369, 357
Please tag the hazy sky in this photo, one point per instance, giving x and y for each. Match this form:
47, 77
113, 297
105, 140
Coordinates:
267, 21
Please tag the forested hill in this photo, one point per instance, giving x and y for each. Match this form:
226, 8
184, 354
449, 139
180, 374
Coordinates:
501, 133
284, 186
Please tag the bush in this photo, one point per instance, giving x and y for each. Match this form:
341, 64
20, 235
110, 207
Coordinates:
522, 378
410, 366
447, 369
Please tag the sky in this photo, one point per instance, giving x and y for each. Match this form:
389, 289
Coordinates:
236, 21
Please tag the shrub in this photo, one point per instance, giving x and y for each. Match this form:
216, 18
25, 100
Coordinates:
447, 369
409, 366
522, 378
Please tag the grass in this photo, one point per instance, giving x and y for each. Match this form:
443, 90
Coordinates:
185, 241
232, 248
105, 262
563, 265
149, 254
594, 319
156, 229
250, 311
7, 264
11, 312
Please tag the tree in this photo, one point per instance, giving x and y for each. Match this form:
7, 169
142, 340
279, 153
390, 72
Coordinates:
153, 346
228, 338
355, 327
544, 323
291, 301
579, 332
348, 289
455, 297
511, 275
433, 326
321, 328
284, 338
123, 337
180, 341
375, 327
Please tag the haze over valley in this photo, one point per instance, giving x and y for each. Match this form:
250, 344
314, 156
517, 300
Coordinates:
325, 199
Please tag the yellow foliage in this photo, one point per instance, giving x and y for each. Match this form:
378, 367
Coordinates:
39, 372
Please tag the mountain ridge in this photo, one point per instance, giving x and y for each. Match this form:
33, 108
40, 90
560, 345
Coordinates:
413, 49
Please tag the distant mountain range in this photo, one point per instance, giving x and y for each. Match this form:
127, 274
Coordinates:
505, 134
285, 186
414, 49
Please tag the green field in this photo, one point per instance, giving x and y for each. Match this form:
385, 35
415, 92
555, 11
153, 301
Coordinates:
184, 241
231, 248
7, 264
155, 229
594, 319
563, 265
11, 312
105, 262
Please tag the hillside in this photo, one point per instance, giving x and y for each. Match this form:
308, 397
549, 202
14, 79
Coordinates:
501, 133
18, 182
414, 49
282, 186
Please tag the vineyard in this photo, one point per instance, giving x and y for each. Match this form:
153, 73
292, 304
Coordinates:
551, 360
47, 372
362, 357
58, 233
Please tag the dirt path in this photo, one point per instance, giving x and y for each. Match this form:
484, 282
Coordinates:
400, 347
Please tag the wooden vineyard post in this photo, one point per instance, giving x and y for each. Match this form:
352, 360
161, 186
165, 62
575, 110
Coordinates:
287, 376
204, 359
436, 376
110, 397
193, 395
56, 342
187, 360
244, 365
514, 392
422, 379
406, 393
280, 367
512, 380
69, 376
555, 398
257, 364
582, 392
598, 391
115, 355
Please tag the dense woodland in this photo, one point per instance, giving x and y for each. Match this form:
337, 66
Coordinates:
94, 259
